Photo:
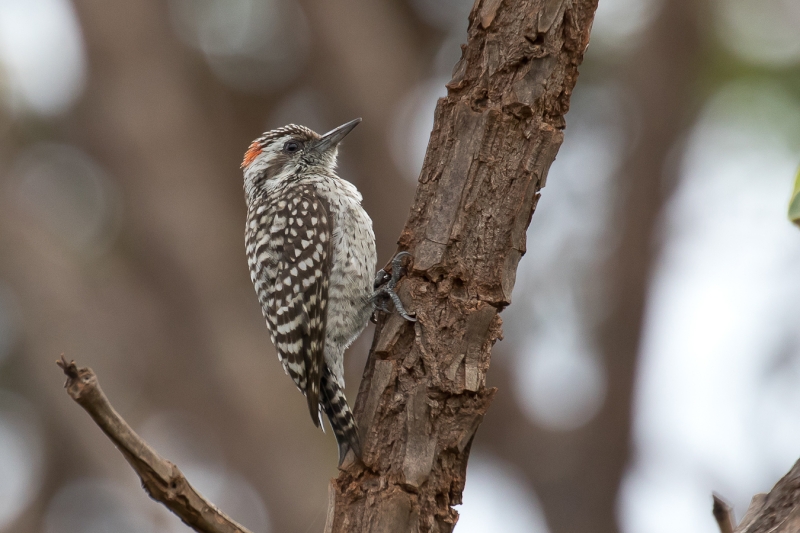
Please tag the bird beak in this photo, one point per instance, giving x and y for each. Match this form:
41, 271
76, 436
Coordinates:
335, 136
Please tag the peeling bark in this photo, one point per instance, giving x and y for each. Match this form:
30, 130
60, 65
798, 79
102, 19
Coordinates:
495, 136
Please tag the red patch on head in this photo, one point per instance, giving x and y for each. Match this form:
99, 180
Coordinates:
251, 153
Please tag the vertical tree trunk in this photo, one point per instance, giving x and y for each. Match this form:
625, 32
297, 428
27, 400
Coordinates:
494, 138
578, 473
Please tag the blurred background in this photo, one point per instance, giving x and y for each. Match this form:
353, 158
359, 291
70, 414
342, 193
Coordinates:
652, 352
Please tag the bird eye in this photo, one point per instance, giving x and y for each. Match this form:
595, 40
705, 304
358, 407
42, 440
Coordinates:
292, 146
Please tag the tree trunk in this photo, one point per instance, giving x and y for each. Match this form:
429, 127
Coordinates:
776, 512
578, 473
494, 138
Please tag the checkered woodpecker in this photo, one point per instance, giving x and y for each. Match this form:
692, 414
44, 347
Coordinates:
311, 253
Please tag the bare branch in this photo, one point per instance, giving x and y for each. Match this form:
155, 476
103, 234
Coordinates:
778, 511
723, 514
162, 480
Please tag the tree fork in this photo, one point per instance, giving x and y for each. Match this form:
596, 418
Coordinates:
495, 136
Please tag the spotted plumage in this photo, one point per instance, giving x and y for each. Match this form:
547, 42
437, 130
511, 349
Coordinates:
311, 253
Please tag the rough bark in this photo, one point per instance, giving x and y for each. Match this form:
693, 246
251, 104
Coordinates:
776, 512
495, 135
577, 473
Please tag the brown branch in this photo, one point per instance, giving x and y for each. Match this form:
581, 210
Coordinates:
162, 480
495, 135
723, 514
776, 512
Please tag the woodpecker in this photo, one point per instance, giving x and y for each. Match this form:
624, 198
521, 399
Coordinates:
311, 253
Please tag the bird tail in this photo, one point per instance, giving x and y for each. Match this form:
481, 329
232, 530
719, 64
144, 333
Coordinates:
340, 416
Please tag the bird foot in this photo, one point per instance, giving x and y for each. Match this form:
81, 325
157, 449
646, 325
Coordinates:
384, 288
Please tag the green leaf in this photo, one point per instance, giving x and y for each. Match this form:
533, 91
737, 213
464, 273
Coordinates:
794, 204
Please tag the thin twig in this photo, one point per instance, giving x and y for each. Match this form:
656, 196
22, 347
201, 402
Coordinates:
162, 480
723, 513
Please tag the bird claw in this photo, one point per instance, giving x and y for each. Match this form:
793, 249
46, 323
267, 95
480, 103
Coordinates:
384, 287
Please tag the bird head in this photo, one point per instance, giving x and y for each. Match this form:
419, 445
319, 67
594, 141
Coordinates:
279, 154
